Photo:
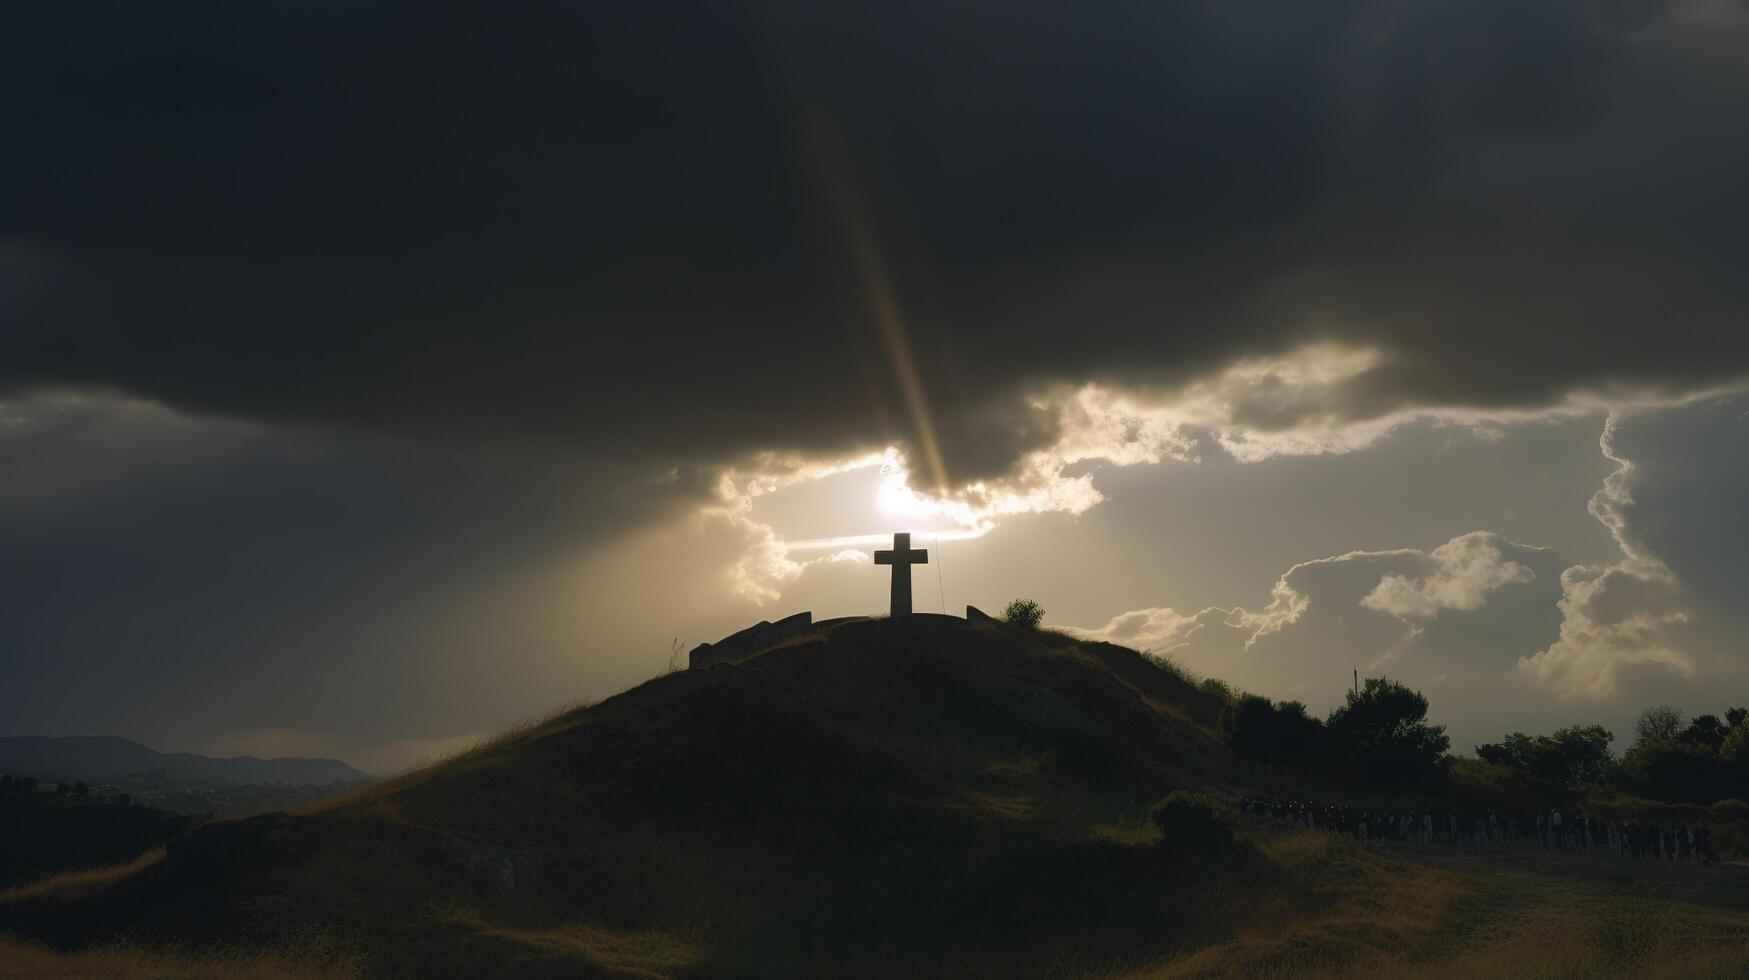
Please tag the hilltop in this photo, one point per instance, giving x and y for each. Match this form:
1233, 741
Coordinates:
900, 797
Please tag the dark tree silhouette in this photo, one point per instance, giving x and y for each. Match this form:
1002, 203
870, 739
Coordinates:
1575, 756
1260, 729
1706, 732
1383, 730
1660, 724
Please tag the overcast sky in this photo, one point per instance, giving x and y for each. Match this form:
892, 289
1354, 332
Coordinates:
374, 375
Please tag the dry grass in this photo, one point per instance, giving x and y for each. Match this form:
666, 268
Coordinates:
646, 955
1355, 912
371, 798
27, 960
70, 885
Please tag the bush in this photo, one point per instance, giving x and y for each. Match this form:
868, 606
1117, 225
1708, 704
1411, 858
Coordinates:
1170, 665
1262, 730
1024, 613
1218, 689
1190, 820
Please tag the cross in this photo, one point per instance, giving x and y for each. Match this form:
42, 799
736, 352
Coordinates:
902, 557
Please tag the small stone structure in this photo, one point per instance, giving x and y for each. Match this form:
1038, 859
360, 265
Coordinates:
750, 640
765, 635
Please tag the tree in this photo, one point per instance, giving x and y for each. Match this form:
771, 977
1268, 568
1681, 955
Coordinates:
1575, 756
1735, 717
1735, 751
1024, 613
1705, 732
1671, 769
1383, 730
1260, 729
1660, 724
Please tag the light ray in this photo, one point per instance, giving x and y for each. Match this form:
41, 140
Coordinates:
871, 268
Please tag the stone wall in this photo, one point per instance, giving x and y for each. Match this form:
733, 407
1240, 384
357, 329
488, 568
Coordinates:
750, 640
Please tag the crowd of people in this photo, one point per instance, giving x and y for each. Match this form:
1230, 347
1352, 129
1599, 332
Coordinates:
1550, 830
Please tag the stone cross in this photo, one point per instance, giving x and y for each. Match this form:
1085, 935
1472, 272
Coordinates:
902, 557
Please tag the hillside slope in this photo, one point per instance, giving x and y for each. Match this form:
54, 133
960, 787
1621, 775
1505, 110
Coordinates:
923, 795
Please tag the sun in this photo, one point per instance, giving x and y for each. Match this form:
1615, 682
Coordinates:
895, 498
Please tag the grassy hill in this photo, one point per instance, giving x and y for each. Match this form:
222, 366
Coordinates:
910, 797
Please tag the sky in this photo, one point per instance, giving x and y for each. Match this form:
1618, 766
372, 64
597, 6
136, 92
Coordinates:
376, 375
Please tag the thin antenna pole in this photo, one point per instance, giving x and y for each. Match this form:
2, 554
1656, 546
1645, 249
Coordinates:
938, 584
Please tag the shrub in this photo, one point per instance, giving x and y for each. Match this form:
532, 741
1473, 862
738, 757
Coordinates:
1260, 729
1169, 664
1024, 613
1191, 820
1218, 689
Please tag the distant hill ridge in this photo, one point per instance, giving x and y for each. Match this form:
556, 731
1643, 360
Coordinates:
110, 755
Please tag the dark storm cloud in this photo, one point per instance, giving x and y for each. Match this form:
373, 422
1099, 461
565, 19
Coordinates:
173, 575
601, 224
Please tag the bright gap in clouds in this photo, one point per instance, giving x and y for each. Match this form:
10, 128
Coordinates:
858, 507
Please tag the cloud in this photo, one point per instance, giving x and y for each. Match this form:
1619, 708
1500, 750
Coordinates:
1633, 611
169, 576
605, 231
1493, 628
1460, 575
1339, 594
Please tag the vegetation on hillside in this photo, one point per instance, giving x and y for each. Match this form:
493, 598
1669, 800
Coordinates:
1024, 613
880, 798
1378, 737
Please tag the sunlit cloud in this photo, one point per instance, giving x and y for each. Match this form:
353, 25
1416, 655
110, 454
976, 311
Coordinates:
1297, 403
1630, 611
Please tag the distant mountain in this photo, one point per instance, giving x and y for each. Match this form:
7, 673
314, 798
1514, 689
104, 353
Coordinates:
108, 755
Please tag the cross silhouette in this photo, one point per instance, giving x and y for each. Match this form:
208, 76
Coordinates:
902, 557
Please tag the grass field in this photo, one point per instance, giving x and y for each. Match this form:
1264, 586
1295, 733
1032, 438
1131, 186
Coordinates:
1369, 912
20, 960
1330, 909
